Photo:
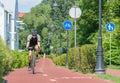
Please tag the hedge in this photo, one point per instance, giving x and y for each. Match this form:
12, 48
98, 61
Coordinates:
20, 59
81, 58
10, 60
6, 59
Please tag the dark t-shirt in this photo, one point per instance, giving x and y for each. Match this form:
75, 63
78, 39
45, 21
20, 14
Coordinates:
33, 41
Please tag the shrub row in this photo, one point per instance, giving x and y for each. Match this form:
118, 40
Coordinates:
5, 59
20, 59
10, 59
81, 58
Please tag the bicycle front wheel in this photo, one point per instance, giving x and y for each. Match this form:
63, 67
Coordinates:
33, 64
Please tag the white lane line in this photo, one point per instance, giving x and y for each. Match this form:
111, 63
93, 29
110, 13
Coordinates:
75, 77
45, 75
53, 80
65, 77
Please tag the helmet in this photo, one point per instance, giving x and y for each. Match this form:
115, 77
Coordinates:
34, 33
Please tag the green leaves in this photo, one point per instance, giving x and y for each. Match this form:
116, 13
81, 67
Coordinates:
43, 16
20, 59
6, 59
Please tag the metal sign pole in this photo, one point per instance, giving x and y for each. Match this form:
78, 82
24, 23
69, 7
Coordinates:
67, 25
110, 49
75, 27
75, 13
110, 27
75, 33
67, 50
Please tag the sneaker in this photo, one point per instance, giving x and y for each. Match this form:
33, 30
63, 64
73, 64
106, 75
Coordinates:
29, 68
36, 60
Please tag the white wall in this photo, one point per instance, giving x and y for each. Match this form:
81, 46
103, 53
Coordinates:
8, 29
2, 24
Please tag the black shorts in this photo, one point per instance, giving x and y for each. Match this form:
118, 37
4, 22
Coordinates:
31, 48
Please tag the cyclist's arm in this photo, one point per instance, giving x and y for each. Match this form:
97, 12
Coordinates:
38, 43
28, 41
27, 45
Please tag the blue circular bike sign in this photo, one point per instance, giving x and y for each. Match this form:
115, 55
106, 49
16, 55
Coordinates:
110, 27
67, 25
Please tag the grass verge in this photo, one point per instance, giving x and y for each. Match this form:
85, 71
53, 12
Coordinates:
113, 67
112, 78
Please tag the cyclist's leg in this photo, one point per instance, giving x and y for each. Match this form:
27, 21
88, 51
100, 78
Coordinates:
37, 50
29, 57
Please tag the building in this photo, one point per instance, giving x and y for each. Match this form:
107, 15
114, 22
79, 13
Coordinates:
8, 23
20, 15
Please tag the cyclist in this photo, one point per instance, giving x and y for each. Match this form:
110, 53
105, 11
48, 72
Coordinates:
33, 40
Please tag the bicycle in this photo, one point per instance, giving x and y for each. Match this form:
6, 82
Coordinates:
33, 60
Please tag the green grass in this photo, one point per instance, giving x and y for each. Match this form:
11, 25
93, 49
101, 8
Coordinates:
113, 66
111, 78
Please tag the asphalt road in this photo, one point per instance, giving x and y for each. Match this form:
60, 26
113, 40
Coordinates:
47, 72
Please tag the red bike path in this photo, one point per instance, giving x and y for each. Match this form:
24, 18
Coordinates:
47, 72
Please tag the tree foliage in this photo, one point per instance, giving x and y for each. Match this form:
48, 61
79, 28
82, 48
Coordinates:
110, 14
42, 16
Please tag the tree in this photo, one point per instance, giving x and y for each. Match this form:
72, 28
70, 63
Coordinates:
88, 22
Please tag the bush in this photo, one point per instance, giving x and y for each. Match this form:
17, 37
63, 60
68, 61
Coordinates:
81, 58
20, 59
88, 58
10, 59
1, 73
71, 58
115, 57
59, 60
6, 59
